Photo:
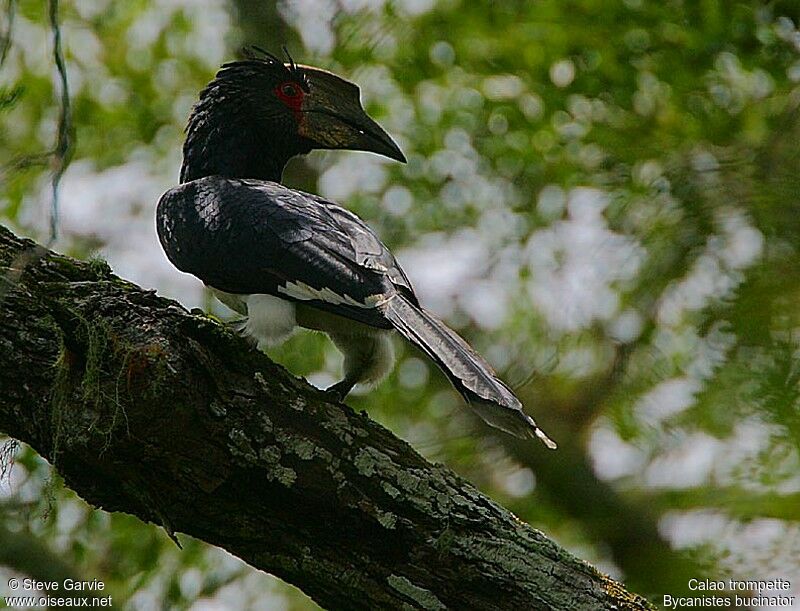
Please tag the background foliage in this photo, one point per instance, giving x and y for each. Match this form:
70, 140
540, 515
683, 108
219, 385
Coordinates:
602, 196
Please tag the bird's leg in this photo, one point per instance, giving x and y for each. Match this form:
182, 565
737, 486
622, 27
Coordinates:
367, 358
239, 326
341, 389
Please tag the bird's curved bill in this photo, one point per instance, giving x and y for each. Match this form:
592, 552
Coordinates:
353, 130
332, 117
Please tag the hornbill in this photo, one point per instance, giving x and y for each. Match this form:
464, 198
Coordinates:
284, 258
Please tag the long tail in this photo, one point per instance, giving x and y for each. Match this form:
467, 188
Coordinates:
472, 376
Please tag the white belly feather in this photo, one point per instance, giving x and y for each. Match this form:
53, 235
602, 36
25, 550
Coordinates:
367, 350
270, 320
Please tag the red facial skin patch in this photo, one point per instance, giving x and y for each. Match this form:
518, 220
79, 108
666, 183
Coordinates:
291, 94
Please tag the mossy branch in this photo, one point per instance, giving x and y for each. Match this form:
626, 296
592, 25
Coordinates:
148, 409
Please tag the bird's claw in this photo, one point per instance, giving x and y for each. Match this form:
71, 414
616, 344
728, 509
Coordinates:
237, 324
334, 395
339, 391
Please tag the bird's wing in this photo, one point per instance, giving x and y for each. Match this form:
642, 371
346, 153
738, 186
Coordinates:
370, 252
249, 236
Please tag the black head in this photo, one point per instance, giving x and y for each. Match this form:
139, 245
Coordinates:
259, 112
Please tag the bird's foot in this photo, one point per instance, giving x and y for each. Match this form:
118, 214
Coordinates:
340, 390
237, 324
239, 327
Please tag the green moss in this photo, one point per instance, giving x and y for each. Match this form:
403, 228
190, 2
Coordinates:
622, 598
60, 398
99, 267
150, 362
97, 340
51, 485
103, 348
66, 266
87, 380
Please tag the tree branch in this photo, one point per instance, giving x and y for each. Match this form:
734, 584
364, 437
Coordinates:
147, 409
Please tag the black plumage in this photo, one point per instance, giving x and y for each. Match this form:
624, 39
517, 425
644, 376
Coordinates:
251, 236
285, 257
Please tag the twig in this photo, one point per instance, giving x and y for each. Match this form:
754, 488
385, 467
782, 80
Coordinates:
64, 141
27, 161
8, 450
5, 40
58, 157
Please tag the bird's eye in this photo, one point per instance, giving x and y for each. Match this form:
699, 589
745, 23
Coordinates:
290, 90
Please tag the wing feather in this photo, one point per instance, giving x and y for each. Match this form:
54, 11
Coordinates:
250, 236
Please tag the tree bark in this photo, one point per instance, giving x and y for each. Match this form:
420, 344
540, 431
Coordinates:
146, 408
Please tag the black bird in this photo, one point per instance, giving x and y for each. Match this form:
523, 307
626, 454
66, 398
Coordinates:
284, 258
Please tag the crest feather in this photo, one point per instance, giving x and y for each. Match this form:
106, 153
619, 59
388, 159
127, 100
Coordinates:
254, 53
